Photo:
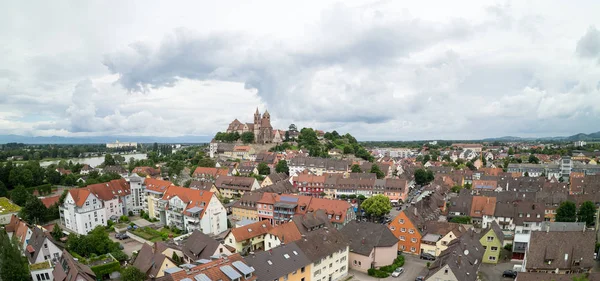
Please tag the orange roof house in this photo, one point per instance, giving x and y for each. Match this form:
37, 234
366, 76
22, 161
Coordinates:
407, 231
157, 185
191, 197
49, 201
209, 172
482, 207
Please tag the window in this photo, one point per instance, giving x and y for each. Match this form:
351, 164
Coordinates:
490, 238
45, 246
494, 249
401, 221
446, 271
411, 231
403, 229
354, 262
87, 203
359, 263
302, 271
413, 249
285, 278
414, 240
492, 258
221, 250
330, 265
230, 240
402, 238
343, 268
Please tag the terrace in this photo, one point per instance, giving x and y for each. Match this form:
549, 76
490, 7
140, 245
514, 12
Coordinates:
8, 207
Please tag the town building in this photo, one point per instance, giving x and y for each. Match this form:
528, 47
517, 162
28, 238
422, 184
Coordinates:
68, 269
200, 246
190, 209
318, 166
459, 262
154, 190
235, 187
231, 268
372, 245
439, 234
248, 238
82, 211
42, 253
328, 251
261, 127
560, 252
152, 263
286, 262
492, 240
118, 144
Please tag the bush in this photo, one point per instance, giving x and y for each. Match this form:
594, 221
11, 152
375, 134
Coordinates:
399, 261
124, 218
119, 255
508, 247
378, 273
428, 264
107, 268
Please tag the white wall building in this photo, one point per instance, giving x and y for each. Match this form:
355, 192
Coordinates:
82, 211
190, 209
118, 144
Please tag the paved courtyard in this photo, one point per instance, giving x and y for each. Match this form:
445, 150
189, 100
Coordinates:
413, 267
129, 245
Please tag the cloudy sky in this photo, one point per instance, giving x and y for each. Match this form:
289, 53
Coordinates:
389, 70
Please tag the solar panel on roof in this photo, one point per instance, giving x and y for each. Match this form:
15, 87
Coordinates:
202, 277
230, 272
289, 199
242, 267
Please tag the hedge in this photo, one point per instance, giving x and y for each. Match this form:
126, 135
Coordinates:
107, 268
385, 271
377, 273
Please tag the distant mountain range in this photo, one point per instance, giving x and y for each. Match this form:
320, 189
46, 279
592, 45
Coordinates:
577, 137
102, 139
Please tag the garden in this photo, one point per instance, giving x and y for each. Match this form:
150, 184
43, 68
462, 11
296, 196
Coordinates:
154, 235
7, 207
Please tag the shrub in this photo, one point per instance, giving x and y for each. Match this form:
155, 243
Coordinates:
119, 255
124, 218
508, 247
428, 264
378, 273
399, 261
107, 268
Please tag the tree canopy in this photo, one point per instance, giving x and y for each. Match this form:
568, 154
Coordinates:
282, 167
586, 213
132, 273
566, 212
355, 168
12, 265
263, 169
375, 169
247, 137
533, 159
423, 177
377, 205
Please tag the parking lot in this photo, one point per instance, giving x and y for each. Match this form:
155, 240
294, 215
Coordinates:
129, 245
413, 267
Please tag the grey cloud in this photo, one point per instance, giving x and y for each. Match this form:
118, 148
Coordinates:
589, 45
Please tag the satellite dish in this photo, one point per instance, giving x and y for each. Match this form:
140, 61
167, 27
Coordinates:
466, 252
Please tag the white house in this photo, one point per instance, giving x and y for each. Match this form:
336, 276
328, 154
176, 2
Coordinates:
42, 253
135, 201
82, 211
192, 209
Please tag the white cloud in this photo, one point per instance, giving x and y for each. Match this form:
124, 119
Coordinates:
379, 70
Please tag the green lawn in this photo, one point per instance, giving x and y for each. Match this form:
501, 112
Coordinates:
7, 207
153, 235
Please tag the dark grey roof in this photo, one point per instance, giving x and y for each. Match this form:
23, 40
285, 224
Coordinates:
563, 226
561, 249
38, 237
463, 257
278, 262
68, 269
199, 246
320, 243
310, 221
283, 186
365, 236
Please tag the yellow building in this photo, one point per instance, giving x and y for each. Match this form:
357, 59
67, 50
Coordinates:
248, 238
245, 208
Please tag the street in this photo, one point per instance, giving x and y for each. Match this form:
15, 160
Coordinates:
413, 267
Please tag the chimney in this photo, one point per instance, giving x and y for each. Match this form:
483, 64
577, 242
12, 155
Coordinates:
458, 260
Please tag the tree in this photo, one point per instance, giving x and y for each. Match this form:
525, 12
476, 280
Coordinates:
247, 137
456, 188
3, 190
19, 195
287, 136
377, 206
282, 167
109, 160
426, 159
586, 213
471, 166
131, 273
533, 159
348, 150
355, 168
12, 266
423, 177
57, 233
526, 174
511, 151
263, 169
375, 170
34, 211
566, 212
461, 219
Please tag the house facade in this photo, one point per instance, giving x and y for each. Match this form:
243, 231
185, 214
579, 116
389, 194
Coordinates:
492, 241
82, 211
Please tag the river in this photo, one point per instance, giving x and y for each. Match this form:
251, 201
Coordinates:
93, 161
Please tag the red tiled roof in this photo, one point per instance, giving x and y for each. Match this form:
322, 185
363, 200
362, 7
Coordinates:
49, 201
79, 195
157, 185
192, 197
108, 190
251, 230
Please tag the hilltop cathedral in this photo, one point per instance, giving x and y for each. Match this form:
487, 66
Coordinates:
262, 129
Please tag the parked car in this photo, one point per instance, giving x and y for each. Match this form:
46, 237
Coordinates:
509, 273
426, 256
398, 271
420, 278
121, 236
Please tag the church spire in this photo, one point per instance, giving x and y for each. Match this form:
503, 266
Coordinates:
257, 111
